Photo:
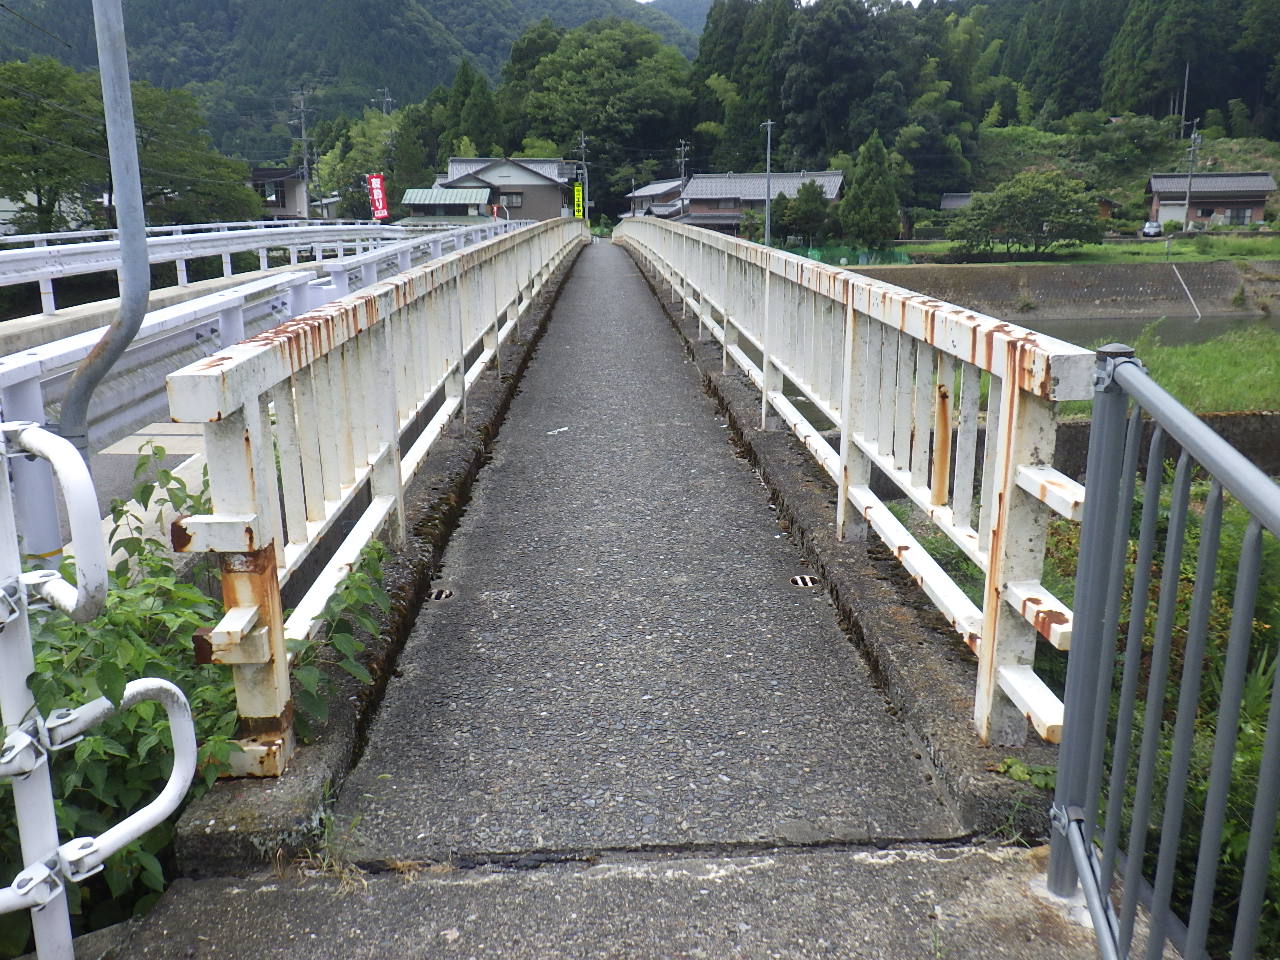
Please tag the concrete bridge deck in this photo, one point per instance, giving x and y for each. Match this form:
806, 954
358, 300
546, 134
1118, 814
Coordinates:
627, 733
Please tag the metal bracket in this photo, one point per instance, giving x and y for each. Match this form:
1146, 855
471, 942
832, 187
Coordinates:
59, 718
22, 754
1060, 819
39, 883
71, 857
31, 579
1104, 373
10, 605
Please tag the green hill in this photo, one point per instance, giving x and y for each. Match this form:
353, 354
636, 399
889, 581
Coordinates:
244, 59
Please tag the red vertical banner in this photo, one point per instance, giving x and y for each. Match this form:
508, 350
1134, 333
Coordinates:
378, 197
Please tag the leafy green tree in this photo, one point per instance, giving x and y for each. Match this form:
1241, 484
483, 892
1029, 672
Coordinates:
807, 213
50, 143
537, 147
365, 149
1241, 124
1066, 67
780, 214
1034, 211
869, 209
622, 87
53, 153
751, 225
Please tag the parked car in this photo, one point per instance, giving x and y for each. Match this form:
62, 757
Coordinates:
1151, 229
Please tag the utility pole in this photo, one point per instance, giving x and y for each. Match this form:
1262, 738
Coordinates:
1191, 169
301, 95
682, 150
768, 182
1186, 79
586, 179
385, 99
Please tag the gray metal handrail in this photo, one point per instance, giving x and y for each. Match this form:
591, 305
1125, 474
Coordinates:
1130, 788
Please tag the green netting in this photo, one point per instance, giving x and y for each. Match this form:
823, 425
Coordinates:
851, 256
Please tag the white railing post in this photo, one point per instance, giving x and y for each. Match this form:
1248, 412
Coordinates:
1015, 550
47, 302
242, 483
772, 379
32, 793
33, 490
855, 467
231, 325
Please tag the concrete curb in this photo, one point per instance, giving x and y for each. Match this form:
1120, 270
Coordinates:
927, 673
243, 824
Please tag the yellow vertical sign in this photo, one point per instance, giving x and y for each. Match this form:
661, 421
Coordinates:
577, 199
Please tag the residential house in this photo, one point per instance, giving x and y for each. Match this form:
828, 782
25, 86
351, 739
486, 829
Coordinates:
444, 206
955, 201
8, 210
524, 189
658, 199
716, 200
1216, 198
284, 195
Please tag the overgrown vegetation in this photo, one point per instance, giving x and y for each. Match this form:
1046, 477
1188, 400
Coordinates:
146, 630
1062, 553
1236, 371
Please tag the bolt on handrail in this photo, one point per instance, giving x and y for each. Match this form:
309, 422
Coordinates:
907, 381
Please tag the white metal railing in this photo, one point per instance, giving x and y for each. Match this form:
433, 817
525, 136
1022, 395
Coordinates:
908, 381
81, 236
32, 381
31, 741
328, 413
42, 264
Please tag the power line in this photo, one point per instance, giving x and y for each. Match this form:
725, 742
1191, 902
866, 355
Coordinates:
31, 23
101, 156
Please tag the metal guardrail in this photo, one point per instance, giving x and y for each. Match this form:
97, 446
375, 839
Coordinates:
32, 381
901, 376
1175, 796
43, 264
32, 740
81, 236
329, 413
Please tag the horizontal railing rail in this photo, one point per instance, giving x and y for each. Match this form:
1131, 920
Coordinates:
81, 236
333, 412
32, 381
907, 381
1169, 774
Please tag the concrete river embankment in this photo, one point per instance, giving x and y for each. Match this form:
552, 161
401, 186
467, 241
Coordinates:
1087, 303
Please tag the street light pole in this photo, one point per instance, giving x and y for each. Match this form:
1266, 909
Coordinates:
135, 269
768, 182
586, 179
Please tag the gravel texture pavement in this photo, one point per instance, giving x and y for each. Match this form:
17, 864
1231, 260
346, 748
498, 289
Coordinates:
624, 662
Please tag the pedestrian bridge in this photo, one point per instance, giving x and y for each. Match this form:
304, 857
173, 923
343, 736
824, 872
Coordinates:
633, 720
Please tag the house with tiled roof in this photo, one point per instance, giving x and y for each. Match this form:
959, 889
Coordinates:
661, 198
524, 189
446, 205
1236, 199
717, 200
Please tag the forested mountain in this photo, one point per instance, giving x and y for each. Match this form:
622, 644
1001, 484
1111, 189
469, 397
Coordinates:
244, 58
939, 83
690, 14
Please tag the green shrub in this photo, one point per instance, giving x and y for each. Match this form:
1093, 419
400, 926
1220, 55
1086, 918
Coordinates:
151, 615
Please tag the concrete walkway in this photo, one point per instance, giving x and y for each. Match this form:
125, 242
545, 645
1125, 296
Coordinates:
627, 733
